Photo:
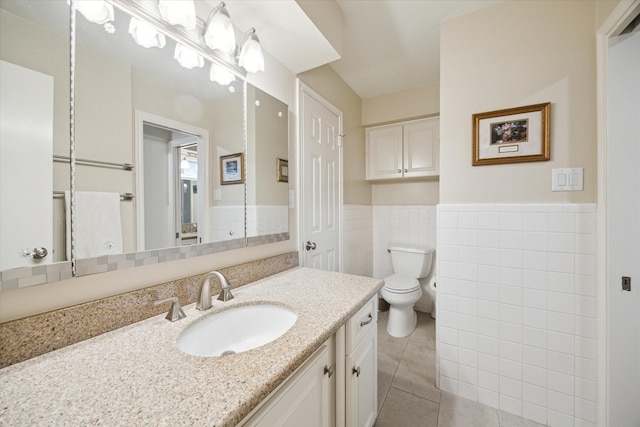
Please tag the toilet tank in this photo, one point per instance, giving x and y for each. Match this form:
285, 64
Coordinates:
412, 261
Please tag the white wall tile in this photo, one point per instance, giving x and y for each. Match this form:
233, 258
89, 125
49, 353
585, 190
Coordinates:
561, 382
449, 368
534, 394
467, 391
586, 409
488, 397
510, 404
532, 268
489, 238
533, 412
560, 402
535, 240
467, 374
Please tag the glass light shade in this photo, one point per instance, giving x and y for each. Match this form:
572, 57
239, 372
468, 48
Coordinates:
221, 75
251, 57
97, 11
184, 164
188, 57
145, 34
219, 34
178, 12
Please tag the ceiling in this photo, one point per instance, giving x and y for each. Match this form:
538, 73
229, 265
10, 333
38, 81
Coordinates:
394, 45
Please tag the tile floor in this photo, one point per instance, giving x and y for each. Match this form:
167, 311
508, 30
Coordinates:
407, 395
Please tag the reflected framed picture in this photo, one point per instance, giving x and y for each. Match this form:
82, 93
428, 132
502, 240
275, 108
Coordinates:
513, 135
232, 169
282, 170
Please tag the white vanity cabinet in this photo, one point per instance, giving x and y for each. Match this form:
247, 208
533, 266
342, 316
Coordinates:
361, 367
306, 398
336, 386
403, 150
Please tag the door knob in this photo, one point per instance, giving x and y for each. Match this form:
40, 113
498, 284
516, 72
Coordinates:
310, 246
356, 371
36, 253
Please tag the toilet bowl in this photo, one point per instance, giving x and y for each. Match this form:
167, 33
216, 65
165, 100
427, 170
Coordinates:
401, 292
402, 289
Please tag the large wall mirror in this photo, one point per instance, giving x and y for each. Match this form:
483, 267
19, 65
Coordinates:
165, 158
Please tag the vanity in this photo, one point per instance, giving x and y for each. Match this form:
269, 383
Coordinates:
323, 369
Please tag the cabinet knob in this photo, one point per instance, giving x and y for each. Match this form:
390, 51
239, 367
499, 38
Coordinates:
406, 170
328, 370
355, 371
399, 170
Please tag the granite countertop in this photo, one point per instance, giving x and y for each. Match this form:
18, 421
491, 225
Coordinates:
136, 375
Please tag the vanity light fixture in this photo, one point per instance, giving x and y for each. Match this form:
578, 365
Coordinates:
251, 57
221, 75
145, 34
219, 33
178, 12
188, 57
98, 11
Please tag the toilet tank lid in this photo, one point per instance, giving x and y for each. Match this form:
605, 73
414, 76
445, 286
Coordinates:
411, 248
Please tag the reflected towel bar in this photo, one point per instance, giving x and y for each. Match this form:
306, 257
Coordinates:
123, 166
123, 196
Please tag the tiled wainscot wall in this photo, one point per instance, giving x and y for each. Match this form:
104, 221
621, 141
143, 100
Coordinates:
517, 310
370, 230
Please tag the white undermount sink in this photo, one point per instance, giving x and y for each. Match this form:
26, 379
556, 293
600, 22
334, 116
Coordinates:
236, 330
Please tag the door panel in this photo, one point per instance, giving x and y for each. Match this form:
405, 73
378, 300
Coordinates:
26, 165
321, 195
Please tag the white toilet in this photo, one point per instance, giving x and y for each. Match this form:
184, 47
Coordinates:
402, 289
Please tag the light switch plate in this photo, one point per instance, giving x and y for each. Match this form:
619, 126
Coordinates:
292, 199
567, 179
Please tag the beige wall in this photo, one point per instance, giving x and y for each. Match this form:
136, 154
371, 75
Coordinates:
549, 56
409, 104
329, 85
604, 9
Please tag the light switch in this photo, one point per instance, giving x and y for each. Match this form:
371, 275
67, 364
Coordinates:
217, 194
292, 199
568, 179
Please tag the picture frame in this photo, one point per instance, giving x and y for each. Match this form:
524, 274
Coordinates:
282, 170
513, 135
232, 169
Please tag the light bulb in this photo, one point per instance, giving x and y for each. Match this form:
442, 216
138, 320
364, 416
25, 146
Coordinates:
188, 57
178, 12
145, 34
219, 34
221, 75
97, 11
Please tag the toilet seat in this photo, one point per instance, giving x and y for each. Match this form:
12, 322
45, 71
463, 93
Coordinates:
399, 284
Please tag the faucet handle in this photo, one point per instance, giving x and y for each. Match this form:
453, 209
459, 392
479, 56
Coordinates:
175, 312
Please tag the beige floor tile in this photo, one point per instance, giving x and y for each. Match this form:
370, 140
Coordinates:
458, 412
407, 410
425, 333
387, 367
416, 373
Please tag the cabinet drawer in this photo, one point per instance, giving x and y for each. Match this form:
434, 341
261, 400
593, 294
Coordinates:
362, 322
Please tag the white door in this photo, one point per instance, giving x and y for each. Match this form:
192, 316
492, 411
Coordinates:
623, 224
26, 165
321, 182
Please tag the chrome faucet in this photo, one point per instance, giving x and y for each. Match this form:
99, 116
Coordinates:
204, 300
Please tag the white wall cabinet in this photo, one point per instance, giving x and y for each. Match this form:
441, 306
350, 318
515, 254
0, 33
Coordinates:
336, 386
403, 150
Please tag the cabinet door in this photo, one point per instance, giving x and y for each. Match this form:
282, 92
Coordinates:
421, 148
384, 152
306, 400
362, 386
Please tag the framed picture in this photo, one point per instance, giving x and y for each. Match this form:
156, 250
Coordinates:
511, 136
282, 170
232, 169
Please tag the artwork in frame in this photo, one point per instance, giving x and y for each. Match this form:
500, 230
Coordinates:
513, 135
282, 170
232, 169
